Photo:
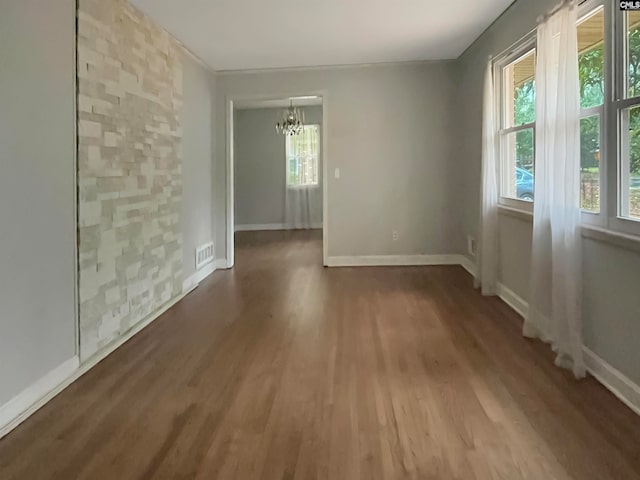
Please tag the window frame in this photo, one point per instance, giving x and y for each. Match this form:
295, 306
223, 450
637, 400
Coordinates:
613, 173
521, 49
287, 163
586, 9
617, 103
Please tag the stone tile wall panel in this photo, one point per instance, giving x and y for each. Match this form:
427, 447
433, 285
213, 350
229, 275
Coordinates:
129, 170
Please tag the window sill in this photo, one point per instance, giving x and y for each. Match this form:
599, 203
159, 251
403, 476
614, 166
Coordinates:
620, 240
591, 232
523, 215
516, 204
625, 225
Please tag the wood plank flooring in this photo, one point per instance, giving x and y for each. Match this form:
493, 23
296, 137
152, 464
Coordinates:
282, 369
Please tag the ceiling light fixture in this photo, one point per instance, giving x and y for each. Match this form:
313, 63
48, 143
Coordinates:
292, 121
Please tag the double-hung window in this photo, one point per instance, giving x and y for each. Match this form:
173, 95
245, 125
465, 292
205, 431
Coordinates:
515, 75
626, 105
302, 152
609, 72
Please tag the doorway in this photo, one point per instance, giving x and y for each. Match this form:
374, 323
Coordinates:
276, 181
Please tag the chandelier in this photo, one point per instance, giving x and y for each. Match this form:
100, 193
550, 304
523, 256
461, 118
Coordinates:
292, 121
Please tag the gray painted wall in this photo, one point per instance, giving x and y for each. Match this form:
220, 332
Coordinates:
197, 160
516, 22
391, 133
611, 306
260, 165
37, 145
408, 163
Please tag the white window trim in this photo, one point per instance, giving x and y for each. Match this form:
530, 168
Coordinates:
598, 219
588, 217
611, 163
526, 44
287, 170
615, 104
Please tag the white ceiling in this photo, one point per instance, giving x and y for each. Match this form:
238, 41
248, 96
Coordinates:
255, 34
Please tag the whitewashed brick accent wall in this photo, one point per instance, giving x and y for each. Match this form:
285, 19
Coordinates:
129, 170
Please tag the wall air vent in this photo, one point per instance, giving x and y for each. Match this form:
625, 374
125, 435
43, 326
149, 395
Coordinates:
204, 255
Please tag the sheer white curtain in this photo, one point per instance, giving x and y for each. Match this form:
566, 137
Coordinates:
303, 207
487, 277
555, 293
303, 198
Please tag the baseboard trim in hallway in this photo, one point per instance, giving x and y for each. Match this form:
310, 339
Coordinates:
194, 280
625, 389
38, 394
32, 398
263, 227
394, 260
616, 382
511, 298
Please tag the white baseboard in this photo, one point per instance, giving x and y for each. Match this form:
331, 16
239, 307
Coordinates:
393, 260
90, 362
508, 296
221, 264
194, 280
616, 382
620, 385
260, 226
270, 226
29, 401
512, 299
38, 394
468, 265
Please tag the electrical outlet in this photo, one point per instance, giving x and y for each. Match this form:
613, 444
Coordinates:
471, 245
395, 235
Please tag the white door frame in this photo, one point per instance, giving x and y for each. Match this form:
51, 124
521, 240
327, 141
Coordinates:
230, 214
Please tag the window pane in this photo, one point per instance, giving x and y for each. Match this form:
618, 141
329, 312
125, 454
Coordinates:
517, 164
631, 162
591, 58
590, 163
633, 54
302, 157
519, 94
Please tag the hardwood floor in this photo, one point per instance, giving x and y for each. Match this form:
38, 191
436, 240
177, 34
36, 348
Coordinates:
282, 369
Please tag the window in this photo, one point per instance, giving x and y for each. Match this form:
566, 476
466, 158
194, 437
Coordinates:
592, 92
610, 119
628, 108
302, 153
517, 132
609, 72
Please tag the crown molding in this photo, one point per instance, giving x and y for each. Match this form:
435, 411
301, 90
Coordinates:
345, 66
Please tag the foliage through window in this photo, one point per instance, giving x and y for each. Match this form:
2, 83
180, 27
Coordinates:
591, 74
517, 135
630, 121
609, 73
302, 152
